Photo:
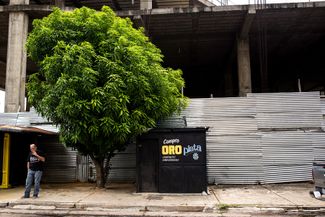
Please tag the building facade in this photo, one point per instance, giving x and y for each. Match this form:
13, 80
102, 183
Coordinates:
262, 138
222, 50
238, 50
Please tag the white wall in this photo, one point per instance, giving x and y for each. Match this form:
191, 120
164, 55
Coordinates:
2, 101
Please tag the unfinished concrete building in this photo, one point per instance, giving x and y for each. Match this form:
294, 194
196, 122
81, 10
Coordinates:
239, 50
222, 50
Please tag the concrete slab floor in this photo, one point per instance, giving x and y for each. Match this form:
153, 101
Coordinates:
12, 194
249, 195
296, 194
124, 195
49, 192
116, 195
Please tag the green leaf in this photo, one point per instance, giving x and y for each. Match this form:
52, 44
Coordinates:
100, 80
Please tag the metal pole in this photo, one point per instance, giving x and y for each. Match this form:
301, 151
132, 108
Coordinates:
5, 161
299, 85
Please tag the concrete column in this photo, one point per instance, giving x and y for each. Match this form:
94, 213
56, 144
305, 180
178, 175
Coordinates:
228, 83
19, 2
145, 4
16, 60
244, 66
59, 3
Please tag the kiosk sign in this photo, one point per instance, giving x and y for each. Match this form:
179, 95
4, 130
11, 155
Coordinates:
174, 150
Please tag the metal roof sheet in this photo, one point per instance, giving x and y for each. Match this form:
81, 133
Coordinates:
26, 122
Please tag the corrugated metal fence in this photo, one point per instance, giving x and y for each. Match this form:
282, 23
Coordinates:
322, 104
233, 149
122, 166
61, 162
286, 122
261, 138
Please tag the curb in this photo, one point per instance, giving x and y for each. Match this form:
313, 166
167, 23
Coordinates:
207, 209
106, 213
85, 206
104, 206
58, 205
126, 213
4, 204
175, 208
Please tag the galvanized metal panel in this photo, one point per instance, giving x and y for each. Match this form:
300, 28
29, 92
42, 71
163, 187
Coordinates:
287, 156
233, 150
61, 162
234, 159
221, 107
288, 110
122, 175
27, 119
283, 173
123, 165
286, 102
224, 116
318, 140
248, 142
235, 175
225, 126
231, 158
8, 119
30, 118
322, 101
322, 105
285, 120
287, 148
82, 168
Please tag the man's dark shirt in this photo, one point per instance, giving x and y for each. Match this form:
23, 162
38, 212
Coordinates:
34, 163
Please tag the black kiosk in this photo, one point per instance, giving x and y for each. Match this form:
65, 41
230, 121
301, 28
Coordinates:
172, 160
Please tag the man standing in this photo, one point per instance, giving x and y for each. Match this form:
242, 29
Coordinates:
35, 163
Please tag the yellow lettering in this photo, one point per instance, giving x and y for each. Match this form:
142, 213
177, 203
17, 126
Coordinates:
164, 150
178, 149
171, 149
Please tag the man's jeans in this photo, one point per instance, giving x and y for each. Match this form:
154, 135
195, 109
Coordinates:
36, 176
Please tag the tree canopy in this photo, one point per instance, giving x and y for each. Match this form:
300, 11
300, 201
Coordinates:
100, 80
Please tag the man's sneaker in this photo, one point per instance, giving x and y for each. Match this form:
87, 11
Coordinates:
35, 196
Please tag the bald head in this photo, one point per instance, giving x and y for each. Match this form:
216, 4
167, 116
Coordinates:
33, 147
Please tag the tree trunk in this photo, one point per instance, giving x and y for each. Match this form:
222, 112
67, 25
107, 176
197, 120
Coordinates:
100, 172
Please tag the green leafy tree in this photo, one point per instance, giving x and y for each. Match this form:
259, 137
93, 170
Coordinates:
100, 80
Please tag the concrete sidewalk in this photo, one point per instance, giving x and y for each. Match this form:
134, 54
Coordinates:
122, 198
